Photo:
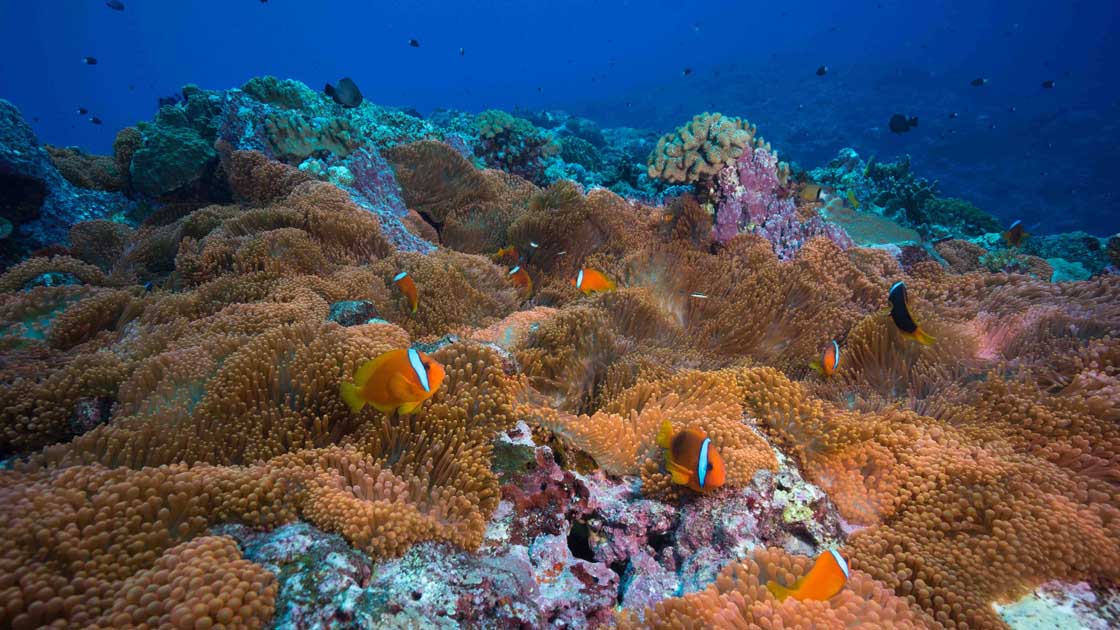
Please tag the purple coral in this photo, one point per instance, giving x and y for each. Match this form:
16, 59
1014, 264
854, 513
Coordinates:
750, 198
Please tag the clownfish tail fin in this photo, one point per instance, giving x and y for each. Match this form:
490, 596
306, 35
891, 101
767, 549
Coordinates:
665, 434
350, 396
816, 366
778, 591
921, 337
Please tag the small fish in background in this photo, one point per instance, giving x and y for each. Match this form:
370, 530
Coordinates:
462, 51
686, 72
903, 320
821, 71
852, 199
690, 458
149, 286
346, 93
829, 361
827, 578
1048, 84
978, 82
521, 280
1012, 109
95, 120
810, 192
89, 61
408, 288
397, 381
415, 43
902, 124
115, 5
1015, 234
533, 245
953, 114
82, 111
698, 296
591, 281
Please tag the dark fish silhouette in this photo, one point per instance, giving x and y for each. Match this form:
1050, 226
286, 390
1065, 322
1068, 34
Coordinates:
821, 71
900, 315
462, 51
415, 43
1015, 234
95, 120
1048, 84
82, 111
115, 5
978, 82
686, 71
953, 114
346, 93
902, 124
89, 61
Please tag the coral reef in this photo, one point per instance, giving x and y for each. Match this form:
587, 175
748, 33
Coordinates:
177, 452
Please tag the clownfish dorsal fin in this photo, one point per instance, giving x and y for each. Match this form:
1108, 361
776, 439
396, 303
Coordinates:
418, 367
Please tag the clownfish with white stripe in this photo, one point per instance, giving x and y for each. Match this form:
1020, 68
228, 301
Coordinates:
408, 288
829, 361
827, 578
691, 458
592, 281
398, 380
521, 280
900, 314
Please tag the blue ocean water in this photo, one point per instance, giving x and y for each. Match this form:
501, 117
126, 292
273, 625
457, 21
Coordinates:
1015, 149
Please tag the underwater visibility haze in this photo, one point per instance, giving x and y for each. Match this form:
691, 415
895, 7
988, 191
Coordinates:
559, 314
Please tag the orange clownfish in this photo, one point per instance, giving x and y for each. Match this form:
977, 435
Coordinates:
506, 254
825, 579
829, 361
691, 459
521, 280
1015, 234
900, 313
408, 288
399, 380
589, 281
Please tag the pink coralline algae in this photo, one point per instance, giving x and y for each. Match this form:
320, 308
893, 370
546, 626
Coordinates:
750, 198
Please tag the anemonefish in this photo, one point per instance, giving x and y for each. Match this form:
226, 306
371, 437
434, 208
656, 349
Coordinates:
811, 192
822, 582
399, 380
589, 281
408, 288
829, 361
521, 280
900, 313
1015, 234
507, 254
690, 458
852, 200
